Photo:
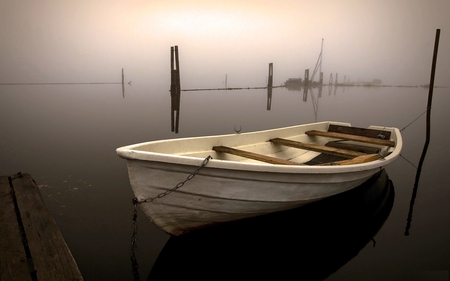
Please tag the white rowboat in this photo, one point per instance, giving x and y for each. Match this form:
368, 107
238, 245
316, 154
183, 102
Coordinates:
250, 174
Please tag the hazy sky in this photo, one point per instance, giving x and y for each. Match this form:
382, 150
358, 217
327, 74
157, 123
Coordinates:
90, 41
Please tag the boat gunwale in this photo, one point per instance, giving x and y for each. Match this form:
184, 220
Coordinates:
130, 152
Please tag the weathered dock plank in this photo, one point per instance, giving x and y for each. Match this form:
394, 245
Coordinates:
34, 248
14, 262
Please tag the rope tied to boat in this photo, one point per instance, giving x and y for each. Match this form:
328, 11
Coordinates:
428, 108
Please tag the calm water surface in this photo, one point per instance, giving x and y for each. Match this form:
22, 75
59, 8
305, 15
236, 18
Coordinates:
66, 136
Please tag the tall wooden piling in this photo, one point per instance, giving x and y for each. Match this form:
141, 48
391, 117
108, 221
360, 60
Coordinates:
269, 86
226, 81
431, 88
123, 84
306, 80
175, 88
306, 85
428, 131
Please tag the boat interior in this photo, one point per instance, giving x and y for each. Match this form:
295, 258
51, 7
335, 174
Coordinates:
340, 145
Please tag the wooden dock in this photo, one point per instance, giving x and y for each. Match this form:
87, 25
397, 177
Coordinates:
31, 244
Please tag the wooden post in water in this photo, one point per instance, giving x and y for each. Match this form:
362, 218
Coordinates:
175, 88
428, 131
431, 88
123, 84
226, 81
269, 86
306, 85
306, 81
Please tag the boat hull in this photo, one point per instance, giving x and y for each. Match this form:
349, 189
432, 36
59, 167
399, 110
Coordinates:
226, 190
214, 196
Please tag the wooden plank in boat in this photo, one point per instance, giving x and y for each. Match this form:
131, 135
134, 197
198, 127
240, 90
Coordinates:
254, 156
352, 146
357, 160
318, 148
350, 137
371, 133
324, 158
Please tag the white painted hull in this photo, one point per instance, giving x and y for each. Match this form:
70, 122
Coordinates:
227, 189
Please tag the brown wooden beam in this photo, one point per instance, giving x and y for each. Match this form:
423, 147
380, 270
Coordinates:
364, 132
351, 137
318, 148
254, 156
357, 160
352, 146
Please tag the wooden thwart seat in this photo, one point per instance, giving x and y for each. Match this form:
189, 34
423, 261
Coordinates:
319, 148
352, 146
365, 132
351, 137
273, 160
357, 160
254, 156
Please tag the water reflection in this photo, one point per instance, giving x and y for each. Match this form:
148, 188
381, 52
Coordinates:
428, 131
315, 102
175, 89
310, 242
315, 92
314, 97
414, 192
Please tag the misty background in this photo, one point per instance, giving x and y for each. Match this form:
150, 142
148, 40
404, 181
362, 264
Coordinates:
90, 41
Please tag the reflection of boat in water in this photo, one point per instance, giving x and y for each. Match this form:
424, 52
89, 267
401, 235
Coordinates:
309, 242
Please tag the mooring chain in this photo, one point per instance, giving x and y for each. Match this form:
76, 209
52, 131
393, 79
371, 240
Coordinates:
134, 263
161, 195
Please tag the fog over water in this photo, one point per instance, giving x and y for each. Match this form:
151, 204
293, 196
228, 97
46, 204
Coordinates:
90, 41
